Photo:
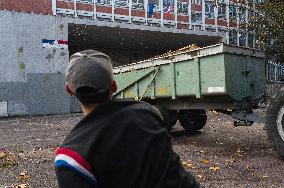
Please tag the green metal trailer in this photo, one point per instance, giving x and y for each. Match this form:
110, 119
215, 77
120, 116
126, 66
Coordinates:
182, 85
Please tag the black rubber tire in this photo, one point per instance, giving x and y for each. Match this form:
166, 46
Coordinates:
169, 117
193, 120
275, 123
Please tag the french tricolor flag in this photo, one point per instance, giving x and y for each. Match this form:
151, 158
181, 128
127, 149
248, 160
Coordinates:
55, 43
72, 160
169, 9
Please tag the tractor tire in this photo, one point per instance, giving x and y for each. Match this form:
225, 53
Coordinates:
169, 117
193, 120
275, 123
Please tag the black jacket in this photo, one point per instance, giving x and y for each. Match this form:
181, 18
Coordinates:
120, 144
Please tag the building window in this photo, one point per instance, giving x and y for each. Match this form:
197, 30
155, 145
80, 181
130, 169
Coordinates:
121, 3
196, 27
242, 15
210, 29
196, 18
85, 1
138, 4
209, 9
251, 40
222, 11
156, 3
250, 16
233, 37
224, 31
182, 7
167, 4
260, 1
196, 2
233, 13
242, 38
104, 2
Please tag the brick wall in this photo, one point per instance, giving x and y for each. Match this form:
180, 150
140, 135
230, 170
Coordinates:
35, 6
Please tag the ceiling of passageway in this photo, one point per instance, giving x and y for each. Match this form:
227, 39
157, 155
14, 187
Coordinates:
92, 36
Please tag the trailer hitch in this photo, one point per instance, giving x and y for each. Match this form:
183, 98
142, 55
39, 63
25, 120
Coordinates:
239, 123
246, 118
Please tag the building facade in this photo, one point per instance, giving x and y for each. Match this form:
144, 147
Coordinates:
37, 38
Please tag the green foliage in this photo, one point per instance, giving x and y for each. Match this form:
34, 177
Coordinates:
269, 26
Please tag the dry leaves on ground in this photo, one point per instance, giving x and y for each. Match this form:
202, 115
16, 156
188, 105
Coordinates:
2, 154
188, 165
24, 176
205, 161
214, 168
22, 186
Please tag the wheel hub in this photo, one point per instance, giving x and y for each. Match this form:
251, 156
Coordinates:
280, 123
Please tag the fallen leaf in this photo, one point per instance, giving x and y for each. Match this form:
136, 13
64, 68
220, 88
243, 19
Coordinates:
214, 168
205, 161
2, 154
22, 186
189, 165
24, 176
199, 176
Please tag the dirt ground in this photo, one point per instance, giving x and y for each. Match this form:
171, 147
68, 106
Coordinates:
219, 156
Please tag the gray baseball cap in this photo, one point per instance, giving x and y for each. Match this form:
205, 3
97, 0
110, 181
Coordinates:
90, 75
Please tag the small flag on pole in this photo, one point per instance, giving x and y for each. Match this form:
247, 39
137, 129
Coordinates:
151, 8
169, 8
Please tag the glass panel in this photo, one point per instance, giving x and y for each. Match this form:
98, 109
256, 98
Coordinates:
242, 38
197, 2
242, 15
167, 4
222, 11
233, 37
233, 13
104, 2
182, 8
85, 1
211, 29
121, 3
209, 9
196, 18
250, 40
138, 4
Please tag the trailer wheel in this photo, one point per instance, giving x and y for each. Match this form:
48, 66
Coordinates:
170, 117
193, 120
275, 123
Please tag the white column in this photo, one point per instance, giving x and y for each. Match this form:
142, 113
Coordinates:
189, 14
95, 10
246, 20
75, 9
146, 10
238, 25
54, 7
203, 15
112, 10
228, 20
162, 12
216, 15
175, 9
254, 42
129, 10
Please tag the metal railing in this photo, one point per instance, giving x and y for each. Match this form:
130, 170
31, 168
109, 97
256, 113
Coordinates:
275, 73
183, 15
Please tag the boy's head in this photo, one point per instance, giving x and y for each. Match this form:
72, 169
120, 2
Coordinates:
89, 76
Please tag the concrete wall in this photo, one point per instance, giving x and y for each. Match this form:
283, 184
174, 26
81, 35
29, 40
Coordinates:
32, 77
